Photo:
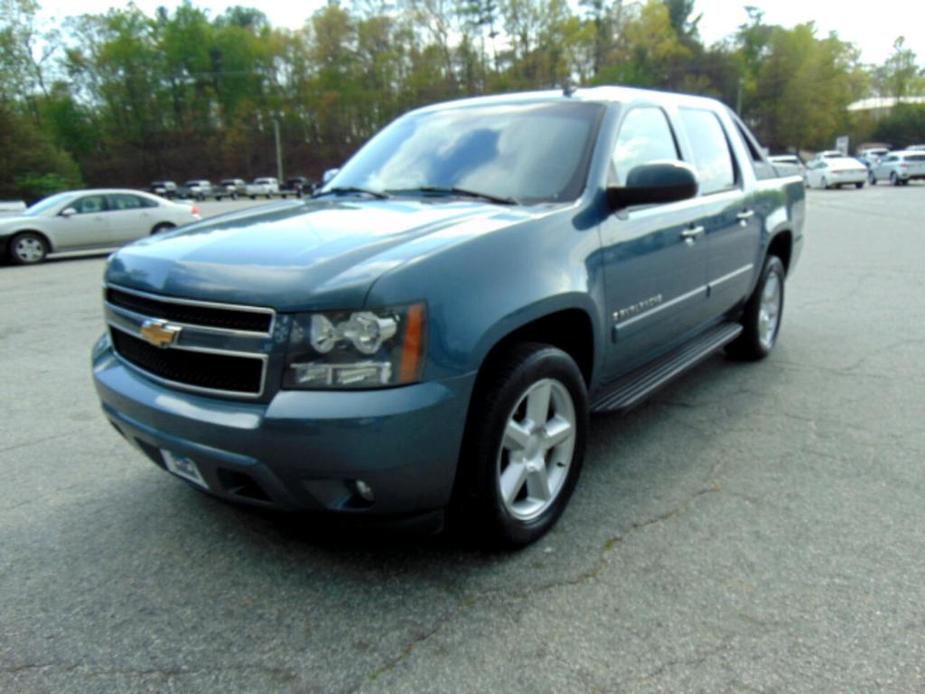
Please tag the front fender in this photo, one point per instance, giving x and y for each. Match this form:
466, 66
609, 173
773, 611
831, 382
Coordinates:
489, 284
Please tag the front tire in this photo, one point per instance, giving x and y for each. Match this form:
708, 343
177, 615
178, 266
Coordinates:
894, 179
859, 185
28, 248
762, 316
524, 446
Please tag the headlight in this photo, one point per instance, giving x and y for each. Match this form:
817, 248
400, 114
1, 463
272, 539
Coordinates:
356, 349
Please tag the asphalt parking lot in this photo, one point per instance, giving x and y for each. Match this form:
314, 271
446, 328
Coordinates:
752, 528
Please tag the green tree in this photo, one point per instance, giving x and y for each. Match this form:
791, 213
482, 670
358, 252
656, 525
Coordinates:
31, 166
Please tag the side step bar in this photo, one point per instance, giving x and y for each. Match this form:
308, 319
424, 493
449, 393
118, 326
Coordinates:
637, 385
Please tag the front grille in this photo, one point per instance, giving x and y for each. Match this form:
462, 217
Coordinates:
192, 314
221, 372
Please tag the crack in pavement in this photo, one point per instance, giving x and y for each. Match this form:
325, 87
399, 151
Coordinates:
585, 577
279, 672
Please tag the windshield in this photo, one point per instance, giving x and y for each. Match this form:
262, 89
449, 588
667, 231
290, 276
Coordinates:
49, 203
528, 152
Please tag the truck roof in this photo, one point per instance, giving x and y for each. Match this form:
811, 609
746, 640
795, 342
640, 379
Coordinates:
603, 94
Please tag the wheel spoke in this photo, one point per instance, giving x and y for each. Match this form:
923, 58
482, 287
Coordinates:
557, 430
538, 403
516, 436
512, 480
538, 482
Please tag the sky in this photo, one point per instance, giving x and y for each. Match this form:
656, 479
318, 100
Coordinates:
873, 27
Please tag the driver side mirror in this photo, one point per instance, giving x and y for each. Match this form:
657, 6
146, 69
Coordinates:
650, 184
68, 212
328, 175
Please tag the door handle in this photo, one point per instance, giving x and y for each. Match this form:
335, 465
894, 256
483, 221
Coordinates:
745, 215
692, 233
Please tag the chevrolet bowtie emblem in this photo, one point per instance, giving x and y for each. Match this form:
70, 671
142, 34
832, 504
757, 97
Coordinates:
160, 333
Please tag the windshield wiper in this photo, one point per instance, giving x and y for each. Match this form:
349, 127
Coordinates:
352, 189
462, 192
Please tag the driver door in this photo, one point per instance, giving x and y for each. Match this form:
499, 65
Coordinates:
655, 258
86, 229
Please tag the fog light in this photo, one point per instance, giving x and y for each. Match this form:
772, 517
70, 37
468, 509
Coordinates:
364, 490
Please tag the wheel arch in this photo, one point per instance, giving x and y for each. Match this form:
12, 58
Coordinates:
781, 245
567, 323
28, 230
164, 224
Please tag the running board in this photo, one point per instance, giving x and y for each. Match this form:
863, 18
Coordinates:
637, 385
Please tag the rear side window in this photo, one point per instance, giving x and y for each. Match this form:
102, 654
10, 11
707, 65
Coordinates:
645, 137
127, 202
916, 157
712, 158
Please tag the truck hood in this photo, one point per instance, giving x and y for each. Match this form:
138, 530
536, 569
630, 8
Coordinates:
301, 255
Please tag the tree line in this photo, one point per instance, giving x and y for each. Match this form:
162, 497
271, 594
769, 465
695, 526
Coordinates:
124, 97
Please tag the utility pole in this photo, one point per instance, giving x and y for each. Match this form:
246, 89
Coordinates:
279, 151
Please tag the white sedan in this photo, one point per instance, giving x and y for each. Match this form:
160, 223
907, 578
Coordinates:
836, 172
84, 220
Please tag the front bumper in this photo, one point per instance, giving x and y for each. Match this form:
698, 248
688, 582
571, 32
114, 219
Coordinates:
304, 450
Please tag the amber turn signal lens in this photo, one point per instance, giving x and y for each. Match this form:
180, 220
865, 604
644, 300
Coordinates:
412, 356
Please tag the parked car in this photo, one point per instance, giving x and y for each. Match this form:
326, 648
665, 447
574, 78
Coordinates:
198, 188
788, 165
869, 157
899, 168
433, 327
298, 186
835, 172
263, 186
915, 148
10, 207
165, 189
230, 188
829, 154
83, 220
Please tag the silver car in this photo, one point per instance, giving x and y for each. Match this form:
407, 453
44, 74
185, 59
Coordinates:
788, 165
899, 168
84, 220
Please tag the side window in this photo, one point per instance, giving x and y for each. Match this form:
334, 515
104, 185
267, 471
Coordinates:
125, 202
645, 136
91, 204
712, 157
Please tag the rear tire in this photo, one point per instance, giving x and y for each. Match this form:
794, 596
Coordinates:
859, 185
894, 179
28, 248
164, 226
762, 316
523, 449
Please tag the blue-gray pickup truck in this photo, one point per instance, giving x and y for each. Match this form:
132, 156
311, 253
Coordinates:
426, 336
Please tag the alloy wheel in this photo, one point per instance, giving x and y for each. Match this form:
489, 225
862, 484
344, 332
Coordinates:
769, 310
537, 449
